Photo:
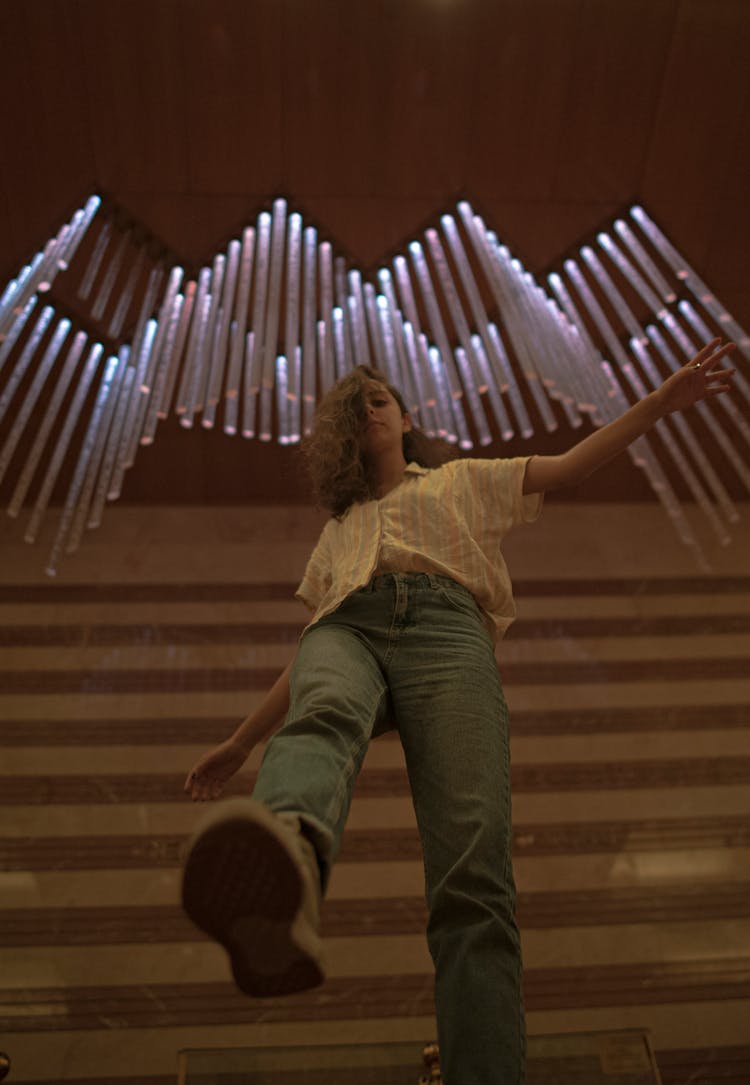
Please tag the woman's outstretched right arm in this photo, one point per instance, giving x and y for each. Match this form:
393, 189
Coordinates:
207, 778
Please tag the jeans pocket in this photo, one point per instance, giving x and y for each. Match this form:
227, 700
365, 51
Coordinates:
458, 598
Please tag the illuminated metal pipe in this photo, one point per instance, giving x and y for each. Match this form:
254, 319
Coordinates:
106, 475
481, 243
6, 303
489, 356
40, 377
448, 286
415, 380
345, 331
199, 388
480, 421
629, 272
564, 338
406, 377
677, 453
54, 259
219, 353
27, 286
398, 362
96, 461
15, 330
95, 260
129, 442
443, 388
692, 280
441, 379
128, 291
651, 271
386, 340
231, 402
309, 353
435, 320
177, 349
510, 385
643, 456
62, 442
592, 378
327, 373
110, 275
724, 403
254, 357
48, 420
338, 343
718, 431
616, 299
372, 322
184, 406
87, 455
292, 302
548, 363
266, 407
429, 413
739, 381
251, 395
144, 316
282, 403
352, 321
359, 315
79, 227
408, 303
269, 340
295, 402
686, 345
165, 370
10, 309
154, 376
597, 314
237, 347
507, 291
498, 407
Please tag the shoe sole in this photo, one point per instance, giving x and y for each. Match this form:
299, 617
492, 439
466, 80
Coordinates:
244, 888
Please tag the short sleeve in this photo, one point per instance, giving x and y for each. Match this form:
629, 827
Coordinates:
528, 505
497, 488
317, 579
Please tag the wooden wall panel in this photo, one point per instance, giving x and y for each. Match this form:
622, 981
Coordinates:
136, 88
47, 157
524, 66
233, 107
698, 126
377, 98
617, 60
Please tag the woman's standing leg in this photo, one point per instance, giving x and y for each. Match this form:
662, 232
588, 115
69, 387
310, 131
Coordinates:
452, 717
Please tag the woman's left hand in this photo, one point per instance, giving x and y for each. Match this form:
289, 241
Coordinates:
699, 379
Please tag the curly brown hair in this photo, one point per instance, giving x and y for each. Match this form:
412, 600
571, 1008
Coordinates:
332, 451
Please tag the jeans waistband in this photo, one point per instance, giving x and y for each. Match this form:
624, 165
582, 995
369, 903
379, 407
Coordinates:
416, 580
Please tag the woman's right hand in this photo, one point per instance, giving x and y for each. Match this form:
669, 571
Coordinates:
207, 778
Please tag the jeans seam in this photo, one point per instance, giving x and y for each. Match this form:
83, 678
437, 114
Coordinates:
334, 807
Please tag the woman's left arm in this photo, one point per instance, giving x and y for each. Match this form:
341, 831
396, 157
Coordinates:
699, 379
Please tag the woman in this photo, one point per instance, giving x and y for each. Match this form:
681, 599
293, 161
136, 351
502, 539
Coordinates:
409, 593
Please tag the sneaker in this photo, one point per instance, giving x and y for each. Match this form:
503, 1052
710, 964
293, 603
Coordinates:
252, 882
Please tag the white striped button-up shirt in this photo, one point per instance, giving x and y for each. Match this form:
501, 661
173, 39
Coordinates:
448, 520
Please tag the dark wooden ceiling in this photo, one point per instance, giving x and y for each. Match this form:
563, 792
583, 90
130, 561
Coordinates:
372, 116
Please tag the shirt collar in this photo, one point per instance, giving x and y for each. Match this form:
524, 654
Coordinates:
415, 469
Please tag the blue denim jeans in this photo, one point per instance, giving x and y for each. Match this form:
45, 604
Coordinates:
412, 647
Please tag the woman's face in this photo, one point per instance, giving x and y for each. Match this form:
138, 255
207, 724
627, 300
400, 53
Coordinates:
384, 425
